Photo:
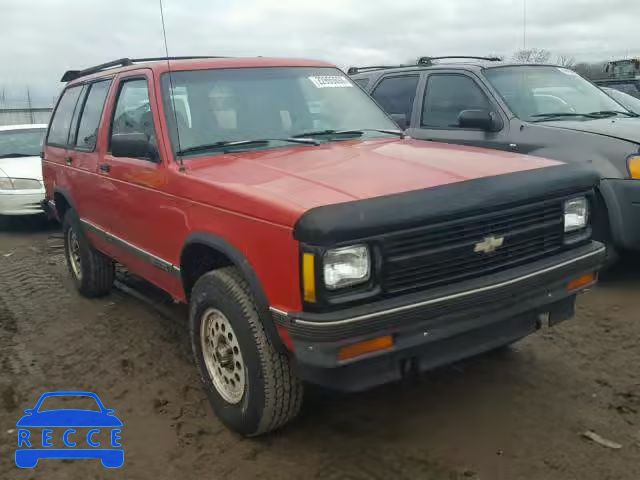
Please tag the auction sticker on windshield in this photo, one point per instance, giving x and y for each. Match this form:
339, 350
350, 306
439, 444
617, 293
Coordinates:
330, 81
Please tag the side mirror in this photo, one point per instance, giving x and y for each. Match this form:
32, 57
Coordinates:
29, 411
134, 145
480, 119
401, 120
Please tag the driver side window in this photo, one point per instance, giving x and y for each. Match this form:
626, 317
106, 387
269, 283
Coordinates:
133, 110
447, 95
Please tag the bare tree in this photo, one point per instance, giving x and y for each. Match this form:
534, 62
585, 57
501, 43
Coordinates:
532, 55
566, 61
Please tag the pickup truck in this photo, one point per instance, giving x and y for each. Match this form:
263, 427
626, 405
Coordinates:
312, 240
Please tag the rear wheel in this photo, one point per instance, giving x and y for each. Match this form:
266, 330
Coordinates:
251, 385
92, 272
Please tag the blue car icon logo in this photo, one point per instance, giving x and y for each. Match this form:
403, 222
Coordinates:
78, 433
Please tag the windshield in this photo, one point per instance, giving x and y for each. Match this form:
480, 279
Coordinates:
533, 91
230, 105
629, 102
23, 142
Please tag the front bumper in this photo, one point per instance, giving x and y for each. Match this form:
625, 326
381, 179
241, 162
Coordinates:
439, 326
623, 204
21, 202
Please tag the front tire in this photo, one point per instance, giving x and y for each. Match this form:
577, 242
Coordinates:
251, 385
92, 272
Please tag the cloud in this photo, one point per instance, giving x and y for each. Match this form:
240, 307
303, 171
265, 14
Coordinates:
43, 38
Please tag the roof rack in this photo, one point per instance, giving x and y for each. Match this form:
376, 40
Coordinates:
429, 60
122, 62
422, 61
354, 70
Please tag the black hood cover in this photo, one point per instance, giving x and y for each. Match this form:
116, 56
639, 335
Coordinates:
331, 224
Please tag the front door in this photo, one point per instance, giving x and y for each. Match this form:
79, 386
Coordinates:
445, 96
133, 190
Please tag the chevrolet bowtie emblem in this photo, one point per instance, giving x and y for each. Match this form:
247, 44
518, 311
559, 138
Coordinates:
489, 244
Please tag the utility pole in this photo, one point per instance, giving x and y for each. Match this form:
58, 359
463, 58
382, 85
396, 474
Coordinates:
30, 106
524, 24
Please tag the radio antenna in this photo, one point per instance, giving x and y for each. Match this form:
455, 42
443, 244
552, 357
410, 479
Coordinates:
171, 92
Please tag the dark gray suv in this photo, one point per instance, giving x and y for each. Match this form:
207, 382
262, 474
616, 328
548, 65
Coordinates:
543, 110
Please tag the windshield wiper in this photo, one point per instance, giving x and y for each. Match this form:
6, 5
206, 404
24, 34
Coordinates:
355, 132
611, 113
224, 145
16, 155
551, 115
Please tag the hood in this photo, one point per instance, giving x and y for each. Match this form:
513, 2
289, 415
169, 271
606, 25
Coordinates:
69, 418
622, 128
302, 177
22, 167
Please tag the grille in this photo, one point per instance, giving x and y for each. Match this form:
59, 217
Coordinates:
445, 253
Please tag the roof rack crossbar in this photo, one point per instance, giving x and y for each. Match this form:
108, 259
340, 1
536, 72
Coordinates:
123, 62
422, 61
428, 60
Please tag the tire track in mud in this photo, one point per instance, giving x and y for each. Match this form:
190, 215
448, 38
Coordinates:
53, 339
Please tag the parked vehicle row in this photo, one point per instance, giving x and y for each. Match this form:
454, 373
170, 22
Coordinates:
311, 238
542, 110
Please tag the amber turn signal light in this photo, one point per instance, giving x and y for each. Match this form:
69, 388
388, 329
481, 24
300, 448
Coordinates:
583, 281
368, 346
309, 277
634, 166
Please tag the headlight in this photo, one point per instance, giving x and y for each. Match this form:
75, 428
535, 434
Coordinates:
576, 214
6, 183
346, 266
26, 184
634, 166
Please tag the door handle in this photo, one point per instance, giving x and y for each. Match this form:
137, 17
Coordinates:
69, 160
105, 167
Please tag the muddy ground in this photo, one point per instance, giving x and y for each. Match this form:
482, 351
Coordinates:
516, 415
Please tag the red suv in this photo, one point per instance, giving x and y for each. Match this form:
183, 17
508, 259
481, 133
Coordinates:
311, 239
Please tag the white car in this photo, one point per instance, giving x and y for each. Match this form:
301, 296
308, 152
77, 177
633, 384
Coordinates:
627, 101
21, 187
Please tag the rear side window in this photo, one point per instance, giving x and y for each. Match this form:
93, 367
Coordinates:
61, 122
447, 96
396, 94
91, 114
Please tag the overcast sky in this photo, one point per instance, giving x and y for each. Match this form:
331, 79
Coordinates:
40, 39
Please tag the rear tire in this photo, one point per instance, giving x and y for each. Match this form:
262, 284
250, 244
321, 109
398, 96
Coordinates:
266, 394
92, 272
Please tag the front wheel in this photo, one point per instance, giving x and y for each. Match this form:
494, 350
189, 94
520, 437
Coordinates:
251, 386
92, 272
